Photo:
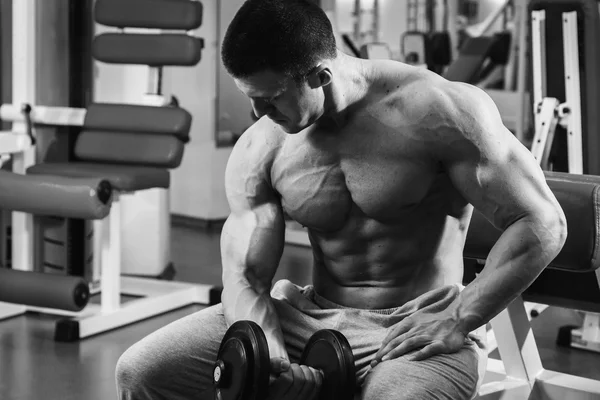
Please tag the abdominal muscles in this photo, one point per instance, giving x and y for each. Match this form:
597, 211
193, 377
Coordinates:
374, 264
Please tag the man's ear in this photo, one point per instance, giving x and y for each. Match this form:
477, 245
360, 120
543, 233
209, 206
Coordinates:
320, 76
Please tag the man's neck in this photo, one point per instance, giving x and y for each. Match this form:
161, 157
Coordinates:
348, 88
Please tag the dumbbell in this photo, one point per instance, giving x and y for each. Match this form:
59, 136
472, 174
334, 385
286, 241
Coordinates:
242, 369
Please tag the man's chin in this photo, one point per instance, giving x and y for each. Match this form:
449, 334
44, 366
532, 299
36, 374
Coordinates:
288, 128
291, 128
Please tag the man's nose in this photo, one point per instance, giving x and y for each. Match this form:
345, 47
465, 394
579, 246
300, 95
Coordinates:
261, 108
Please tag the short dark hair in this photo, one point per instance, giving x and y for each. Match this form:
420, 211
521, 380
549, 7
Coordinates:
286, 36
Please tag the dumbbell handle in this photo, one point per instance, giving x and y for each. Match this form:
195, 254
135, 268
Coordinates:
220, 379
273, 378
219, 373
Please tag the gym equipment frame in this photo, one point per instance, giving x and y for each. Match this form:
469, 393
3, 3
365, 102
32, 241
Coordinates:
156, 296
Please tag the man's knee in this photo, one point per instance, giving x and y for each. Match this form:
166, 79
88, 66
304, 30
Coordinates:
173, 362
134, 373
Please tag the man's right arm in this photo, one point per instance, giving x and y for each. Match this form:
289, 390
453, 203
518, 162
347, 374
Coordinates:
252, 240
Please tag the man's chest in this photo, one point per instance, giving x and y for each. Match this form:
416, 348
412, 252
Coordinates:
321, 188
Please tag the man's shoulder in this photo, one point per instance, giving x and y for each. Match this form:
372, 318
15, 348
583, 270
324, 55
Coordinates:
440, 112
427, 92
428, 101
258, 146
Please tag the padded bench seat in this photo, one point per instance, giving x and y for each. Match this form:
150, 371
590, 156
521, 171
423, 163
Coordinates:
579, 197
124, 178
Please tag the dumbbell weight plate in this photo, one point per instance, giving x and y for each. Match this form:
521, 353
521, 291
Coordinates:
242, 368
329, 351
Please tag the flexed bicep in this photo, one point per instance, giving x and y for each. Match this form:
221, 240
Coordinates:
253, 236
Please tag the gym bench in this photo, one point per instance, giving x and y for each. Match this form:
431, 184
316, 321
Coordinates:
520, 374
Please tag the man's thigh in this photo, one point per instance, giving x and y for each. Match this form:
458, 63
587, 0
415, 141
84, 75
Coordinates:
454, 376
176, 361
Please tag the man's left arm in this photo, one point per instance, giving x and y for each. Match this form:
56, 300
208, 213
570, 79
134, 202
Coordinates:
500, 177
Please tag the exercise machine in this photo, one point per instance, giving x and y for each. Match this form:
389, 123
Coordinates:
122, 148
375, 51
479, 57
560, 109
422, 44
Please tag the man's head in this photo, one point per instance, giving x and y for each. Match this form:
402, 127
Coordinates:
277, 51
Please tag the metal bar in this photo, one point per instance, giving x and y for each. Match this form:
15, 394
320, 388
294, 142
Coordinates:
573, 93
375, 21
110, 259
24, 64
357, 22
521, 84
99, 226
9, 310
143, 287
591, 328
554, 385
545, 126
154, 80
11, 143
44, 115
538, 50
516, 343
137, 310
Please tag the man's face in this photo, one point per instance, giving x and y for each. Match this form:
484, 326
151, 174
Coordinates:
292, 106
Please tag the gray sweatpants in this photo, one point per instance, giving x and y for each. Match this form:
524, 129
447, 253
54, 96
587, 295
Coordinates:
176, 361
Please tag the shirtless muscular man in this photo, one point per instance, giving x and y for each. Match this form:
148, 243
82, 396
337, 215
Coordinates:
383, 163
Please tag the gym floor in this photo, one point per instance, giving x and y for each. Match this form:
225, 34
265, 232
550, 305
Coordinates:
35, 367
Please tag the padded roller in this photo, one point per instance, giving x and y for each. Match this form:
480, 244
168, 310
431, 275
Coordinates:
129, 148
36, 289
148, 49
151, 14
55, 195
125, 178
579, 197
139, 119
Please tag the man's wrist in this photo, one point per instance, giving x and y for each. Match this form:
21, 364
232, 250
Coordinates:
466, 320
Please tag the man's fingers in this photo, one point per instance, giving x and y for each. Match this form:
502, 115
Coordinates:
310, 388
428, 351
299, 385
298, 382
407, 346
317, 382
397, 330
281, 385
478, 341
279, 365
390, 345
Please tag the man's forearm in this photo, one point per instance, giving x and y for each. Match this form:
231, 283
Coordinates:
515, 261
241, 301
